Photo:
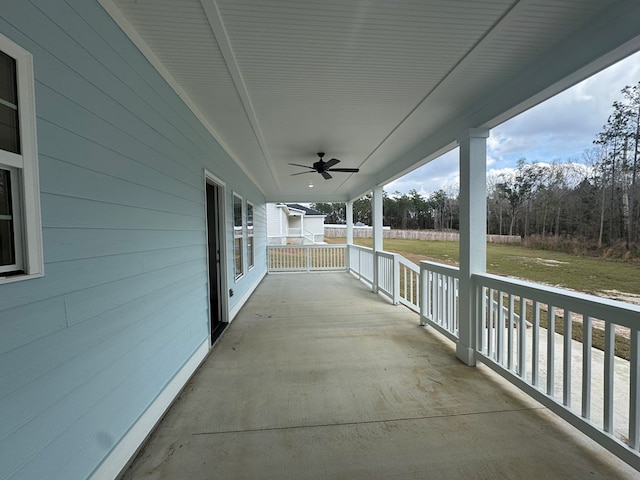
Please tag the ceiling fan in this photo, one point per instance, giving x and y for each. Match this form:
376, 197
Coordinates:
323, 168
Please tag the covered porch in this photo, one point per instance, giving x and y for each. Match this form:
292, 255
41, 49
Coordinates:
319, 377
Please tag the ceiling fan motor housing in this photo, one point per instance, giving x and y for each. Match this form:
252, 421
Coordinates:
319, 166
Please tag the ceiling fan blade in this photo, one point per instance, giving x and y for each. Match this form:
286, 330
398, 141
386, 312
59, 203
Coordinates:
326, 175
303, 166
331, 163
349, 170
302, 173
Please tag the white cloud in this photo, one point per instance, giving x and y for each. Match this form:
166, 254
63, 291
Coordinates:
565, 125
561, 129
438, 174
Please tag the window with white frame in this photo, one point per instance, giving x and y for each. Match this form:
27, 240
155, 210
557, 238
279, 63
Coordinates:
250, 249
238, 237
20, 228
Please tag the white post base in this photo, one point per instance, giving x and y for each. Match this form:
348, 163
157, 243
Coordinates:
466, 355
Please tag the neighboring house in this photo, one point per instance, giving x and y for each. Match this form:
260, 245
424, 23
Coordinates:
291, 223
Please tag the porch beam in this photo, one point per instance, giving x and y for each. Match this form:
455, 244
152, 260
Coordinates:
473, 229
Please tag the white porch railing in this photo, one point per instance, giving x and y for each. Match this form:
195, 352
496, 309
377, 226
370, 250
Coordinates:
590, 388
517, 334
309, 236
395, 276
439, 308
361, 262
408, 283
385, 274
305, 258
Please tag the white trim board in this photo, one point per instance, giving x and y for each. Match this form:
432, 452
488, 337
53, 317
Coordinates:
124, 451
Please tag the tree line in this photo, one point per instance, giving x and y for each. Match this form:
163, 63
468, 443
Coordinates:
595, 201
412, 211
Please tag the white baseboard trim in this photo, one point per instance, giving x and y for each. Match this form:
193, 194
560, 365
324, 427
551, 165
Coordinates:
113, 465
236, 308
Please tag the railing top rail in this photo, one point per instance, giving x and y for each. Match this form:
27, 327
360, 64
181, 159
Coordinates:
621, 313
359, 247
408, 263
386, 254
440, 268
314, 246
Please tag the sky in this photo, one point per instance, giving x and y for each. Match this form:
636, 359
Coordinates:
559, 129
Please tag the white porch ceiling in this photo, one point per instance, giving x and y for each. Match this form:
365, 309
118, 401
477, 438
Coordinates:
382, 85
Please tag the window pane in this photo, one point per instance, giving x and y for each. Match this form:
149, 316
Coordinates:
5, 192
250, 247
238, 233
7, 252
237, 246
9, 134
250, 234
8, 90
237, 211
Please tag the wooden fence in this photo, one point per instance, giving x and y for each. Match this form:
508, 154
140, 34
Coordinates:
364, 232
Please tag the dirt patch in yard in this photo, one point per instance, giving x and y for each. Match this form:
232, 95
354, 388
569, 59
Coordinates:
622, 296
548, 262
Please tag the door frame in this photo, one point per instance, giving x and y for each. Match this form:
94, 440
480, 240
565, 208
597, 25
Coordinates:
211, 179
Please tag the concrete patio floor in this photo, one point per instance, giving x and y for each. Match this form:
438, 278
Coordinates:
317, 377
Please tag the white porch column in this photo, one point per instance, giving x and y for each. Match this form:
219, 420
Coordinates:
349, 215
376, 219
473, 230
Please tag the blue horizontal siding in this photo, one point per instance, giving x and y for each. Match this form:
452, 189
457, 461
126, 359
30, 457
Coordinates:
63, 211
94, 436
260, 233
36, 399
59, 110
59, 143
76, 275
61, 178
123, 305
32, 320
21, 366
89, 302
63, 244
97, 381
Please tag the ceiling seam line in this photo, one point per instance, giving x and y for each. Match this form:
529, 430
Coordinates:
143, 47
490, 31
220, 33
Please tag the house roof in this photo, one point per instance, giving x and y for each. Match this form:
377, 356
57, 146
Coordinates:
383, 86
309, 212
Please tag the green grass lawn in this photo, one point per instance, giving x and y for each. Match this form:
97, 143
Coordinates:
586, 274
